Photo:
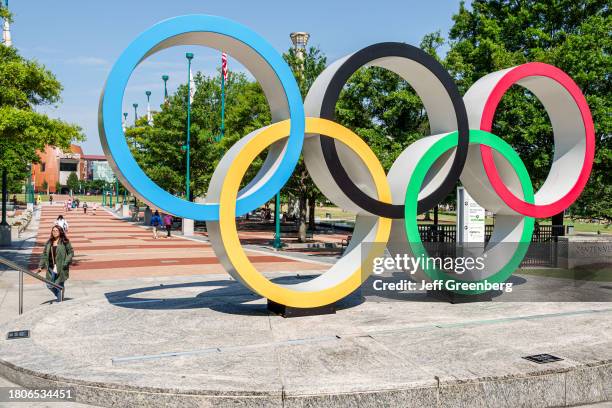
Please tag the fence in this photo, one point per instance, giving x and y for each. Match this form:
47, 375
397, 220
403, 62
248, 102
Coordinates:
448, 232
543, 253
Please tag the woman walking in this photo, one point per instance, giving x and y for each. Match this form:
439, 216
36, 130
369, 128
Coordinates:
155, 223
56, 258
62, 223
85, 208
168, 224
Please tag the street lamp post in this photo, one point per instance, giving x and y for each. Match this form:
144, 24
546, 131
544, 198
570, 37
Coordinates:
189, 57
6, 30
125, 115
299, 39
165, 79
4, 196
5, 229
149, 117
135, 105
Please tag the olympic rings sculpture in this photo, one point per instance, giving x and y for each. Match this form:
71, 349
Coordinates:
346, 170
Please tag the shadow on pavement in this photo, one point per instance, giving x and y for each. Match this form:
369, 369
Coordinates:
224, 296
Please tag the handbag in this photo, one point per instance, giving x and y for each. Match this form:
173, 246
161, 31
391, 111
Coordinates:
54, 263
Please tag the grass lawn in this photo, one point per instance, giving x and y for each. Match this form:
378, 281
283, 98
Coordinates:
448, 218
595, 274
339, 214
89, 198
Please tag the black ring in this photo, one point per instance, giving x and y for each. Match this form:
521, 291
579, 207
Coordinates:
328, 145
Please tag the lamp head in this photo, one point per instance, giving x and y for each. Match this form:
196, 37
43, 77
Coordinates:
189, 55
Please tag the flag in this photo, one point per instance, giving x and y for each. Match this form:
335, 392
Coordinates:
224, 65
192, 86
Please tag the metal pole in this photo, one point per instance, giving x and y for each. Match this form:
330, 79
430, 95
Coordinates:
277, 238
165, 79
20, 292
149, 117
4, 196
222, 105
189, 58
135, 105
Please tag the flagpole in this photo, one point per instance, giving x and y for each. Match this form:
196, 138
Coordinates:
222, 105
223, 76
189, 58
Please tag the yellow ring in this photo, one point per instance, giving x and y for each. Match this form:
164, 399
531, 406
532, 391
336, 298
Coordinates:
290, 295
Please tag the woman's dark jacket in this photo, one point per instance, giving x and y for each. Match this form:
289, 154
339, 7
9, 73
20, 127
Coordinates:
63, 258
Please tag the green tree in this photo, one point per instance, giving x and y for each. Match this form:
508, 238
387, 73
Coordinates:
574, 35
45, 185
306, 68
159, 148
25, 84
73, 182
384, 110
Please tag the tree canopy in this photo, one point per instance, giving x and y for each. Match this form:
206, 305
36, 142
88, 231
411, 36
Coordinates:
387, 113
24, 85
574, 35
158, 148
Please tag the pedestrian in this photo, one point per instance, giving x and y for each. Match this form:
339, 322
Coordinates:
56, 259
85, 207
14, 201
69, 204
50, 199
95, 207
168, 224
61, 222
155, 223
38, 199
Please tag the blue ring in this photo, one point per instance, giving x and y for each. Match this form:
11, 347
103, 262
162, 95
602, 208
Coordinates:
111, 114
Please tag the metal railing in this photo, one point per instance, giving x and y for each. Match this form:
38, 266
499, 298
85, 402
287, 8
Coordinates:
21, 271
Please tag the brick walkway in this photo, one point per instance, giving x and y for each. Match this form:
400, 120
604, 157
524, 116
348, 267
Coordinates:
109, 248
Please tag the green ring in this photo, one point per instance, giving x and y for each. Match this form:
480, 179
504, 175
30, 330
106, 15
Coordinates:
414, 187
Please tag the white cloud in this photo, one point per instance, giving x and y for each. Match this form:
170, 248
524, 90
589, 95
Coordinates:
88, 61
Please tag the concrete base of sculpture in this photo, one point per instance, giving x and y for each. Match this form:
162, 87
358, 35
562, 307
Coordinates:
147, 216
5, 235
207, 341
125, 210
187, 227
576, 252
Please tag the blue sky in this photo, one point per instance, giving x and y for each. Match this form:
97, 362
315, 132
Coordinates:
80, 40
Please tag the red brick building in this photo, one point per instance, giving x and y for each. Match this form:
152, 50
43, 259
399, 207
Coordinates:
55, 166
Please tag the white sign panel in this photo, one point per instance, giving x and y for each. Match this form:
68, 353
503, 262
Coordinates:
470, 218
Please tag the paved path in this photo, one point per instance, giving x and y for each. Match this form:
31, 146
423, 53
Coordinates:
109, 248
210, 342
114, 253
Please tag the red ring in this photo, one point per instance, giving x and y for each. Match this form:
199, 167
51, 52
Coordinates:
486, 123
